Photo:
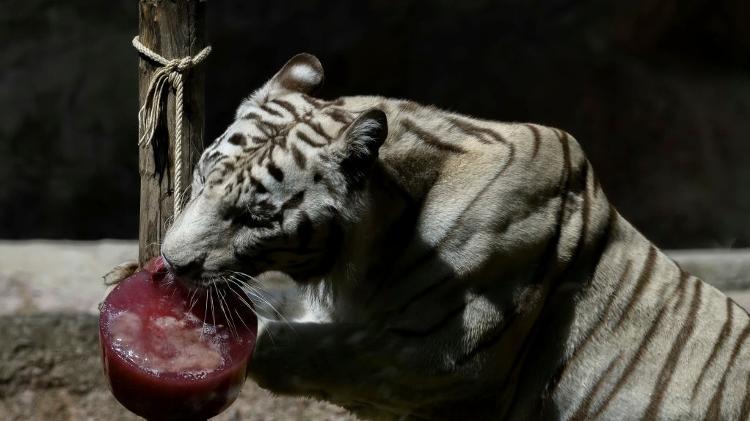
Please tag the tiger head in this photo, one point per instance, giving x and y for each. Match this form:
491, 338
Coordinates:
277, 188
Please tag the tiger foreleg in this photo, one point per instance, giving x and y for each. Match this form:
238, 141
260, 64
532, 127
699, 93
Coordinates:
352, 365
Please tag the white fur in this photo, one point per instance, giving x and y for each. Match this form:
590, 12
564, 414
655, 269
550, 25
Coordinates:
502, 312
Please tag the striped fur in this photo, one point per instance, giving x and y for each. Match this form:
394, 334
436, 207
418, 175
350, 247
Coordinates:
451, 268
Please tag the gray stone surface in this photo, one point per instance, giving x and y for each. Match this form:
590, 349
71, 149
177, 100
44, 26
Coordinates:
43, 275
49, 356
49, 275
725, 269
50, 370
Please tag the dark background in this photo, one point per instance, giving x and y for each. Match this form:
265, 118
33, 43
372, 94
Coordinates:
657, 91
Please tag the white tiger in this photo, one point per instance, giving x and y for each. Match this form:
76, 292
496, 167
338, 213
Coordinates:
450, 268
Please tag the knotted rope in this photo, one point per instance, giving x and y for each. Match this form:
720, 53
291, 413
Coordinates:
171, 72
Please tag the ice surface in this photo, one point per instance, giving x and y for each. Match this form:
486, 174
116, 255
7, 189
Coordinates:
167, 344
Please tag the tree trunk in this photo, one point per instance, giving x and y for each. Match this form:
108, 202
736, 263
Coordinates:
172, 29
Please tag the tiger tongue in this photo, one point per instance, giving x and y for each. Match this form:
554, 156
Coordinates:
162, 360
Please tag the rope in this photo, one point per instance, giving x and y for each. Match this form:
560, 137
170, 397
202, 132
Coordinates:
171, 72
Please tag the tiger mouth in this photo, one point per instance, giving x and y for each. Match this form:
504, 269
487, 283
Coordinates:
212, 279
202, 281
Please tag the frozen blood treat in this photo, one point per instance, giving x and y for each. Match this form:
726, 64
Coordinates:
171, 353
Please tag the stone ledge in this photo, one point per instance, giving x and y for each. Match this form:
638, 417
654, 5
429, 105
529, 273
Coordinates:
49, 356
51, 370
42, 275
726, 269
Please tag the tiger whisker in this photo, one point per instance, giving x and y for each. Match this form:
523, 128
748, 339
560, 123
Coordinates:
223, 310
249, 306
211, 299
193, 297
223, 293
278, 313
243, 301
244, 292
250, 292
205, 314
241, 319
174, 290
255, 293
245, 276
255, 289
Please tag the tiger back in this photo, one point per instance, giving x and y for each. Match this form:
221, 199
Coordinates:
448, 267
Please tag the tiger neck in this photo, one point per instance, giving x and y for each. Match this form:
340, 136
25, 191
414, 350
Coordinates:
387, 236
375, 242
579, 322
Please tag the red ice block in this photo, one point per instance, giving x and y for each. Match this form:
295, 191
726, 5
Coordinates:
174, 354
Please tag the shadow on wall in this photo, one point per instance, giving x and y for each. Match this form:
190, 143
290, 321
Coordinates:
657, 91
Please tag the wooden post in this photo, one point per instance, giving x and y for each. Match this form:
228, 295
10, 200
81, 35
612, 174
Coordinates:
172, 29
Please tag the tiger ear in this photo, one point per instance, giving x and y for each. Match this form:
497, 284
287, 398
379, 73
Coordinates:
361, 144
302, 73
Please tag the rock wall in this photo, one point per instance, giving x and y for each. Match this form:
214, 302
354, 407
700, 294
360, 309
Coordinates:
657, 91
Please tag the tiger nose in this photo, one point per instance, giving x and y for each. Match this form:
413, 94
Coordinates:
188, 269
